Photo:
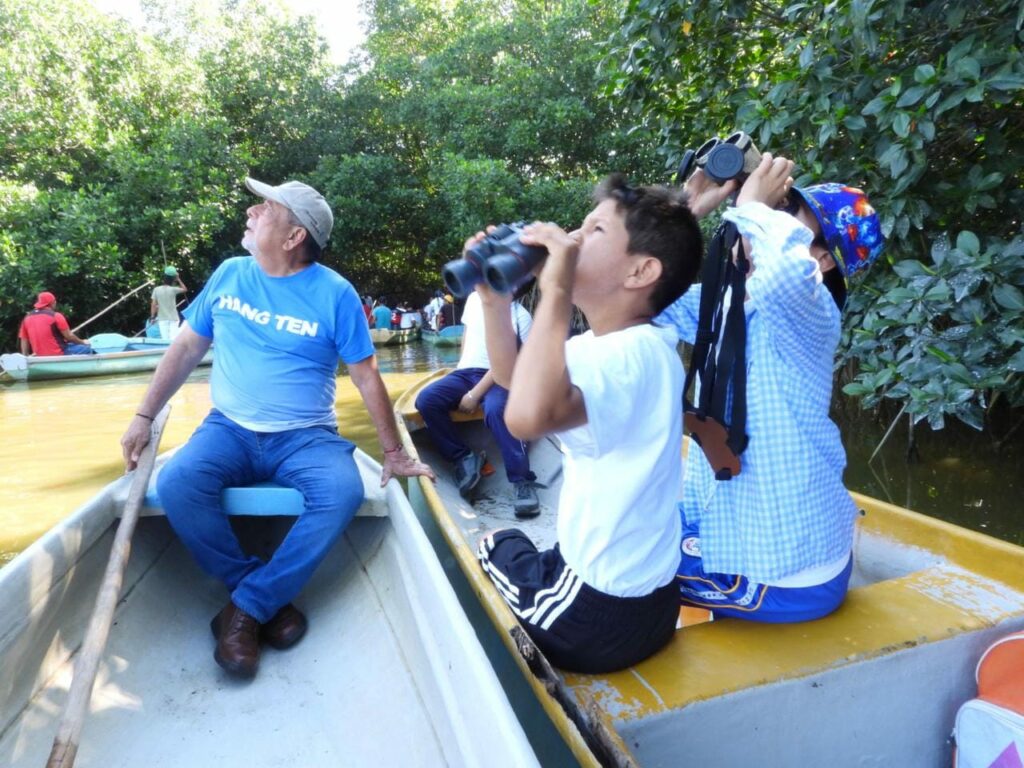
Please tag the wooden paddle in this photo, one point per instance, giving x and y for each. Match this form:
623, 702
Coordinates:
109, 307
65, 744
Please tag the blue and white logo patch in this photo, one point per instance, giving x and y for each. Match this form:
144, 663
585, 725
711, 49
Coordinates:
691, 546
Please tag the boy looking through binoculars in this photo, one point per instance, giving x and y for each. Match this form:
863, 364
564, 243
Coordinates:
604, 597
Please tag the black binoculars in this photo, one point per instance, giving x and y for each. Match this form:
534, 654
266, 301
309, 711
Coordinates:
735, 157
500, 260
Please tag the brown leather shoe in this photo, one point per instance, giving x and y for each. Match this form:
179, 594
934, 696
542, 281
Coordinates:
238, 641
285, 629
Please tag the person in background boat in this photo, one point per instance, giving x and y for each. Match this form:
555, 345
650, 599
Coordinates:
367, 308
604, 597
281, 321
774, 544
404, 317
45, 331
381, 315
446, 315
469, 387
163, 306
432, 310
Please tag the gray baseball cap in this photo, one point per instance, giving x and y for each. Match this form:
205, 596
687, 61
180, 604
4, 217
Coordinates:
306, 203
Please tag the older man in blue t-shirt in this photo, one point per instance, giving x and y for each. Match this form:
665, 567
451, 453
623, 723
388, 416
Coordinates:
281, 321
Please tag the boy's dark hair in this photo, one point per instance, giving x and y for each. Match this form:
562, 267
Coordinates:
168, 280
659, 222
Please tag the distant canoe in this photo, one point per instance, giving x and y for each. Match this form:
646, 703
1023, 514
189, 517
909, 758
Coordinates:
877, 682
385, 337
446, 337
390, 673
140, 355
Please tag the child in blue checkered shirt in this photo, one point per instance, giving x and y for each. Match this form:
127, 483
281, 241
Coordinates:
774, 543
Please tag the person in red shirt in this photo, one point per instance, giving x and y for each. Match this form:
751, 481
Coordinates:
45, 331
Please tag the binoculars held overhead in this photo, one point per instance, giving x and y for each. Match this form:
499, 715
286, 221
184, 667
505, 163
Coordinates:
500, 260
734, 157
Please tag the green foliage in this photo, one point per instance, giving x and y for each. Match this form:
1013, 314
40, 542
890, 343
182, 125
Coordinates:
921, 104
946, 337
122, 148
465, 115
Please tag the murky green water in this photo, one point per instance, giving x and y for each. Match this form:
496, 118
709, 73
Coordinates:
958, 475
60, 445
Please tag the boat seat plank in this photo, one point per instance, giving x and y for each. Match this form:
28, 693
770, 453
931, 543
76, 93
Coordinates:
716, 658
265, 499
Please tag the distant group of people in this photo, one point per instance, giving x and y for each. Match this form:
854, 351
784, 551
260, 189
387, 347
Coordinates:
440, 311
634, 540
380, 315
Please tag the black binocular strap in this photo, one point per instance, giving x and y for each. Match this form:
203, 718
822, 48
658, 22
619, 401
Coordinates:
729, 398
728, 367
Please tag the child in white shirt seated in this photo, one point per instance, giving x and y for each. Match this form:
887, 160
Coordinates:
604, 597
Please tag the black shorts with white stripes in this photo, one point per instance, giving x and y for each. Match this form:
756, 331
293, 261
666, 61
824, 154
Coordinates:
577, 627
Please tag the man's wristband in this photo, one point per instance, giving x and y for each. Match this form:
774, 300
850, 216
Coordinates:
396, 449
147, 418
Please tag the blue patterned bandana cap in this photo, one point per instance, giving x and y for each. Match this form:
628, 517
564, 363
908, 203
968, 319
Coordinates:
849, 224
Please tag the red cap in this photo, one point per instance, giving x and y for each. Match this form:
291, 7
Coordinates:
45, 299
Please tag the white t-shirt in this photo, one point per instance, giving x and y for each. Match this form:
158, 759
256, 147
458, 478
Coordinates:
474, 341
618, 523
433, 307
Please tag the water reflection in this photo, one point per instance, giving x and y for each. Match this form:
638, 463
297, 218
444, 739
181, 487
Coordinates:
418, 357
957, 474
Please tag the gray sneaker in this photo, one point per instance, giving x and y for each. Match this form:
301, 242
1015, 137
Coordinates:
467, 472
526, 503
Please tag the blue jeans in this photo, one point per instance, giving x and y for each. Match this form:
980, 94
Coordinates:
78, 349
436, 401
315, 460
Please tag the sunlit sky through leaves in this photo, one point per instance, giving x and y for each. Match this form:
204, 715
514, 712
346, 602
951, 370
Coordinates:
339, 21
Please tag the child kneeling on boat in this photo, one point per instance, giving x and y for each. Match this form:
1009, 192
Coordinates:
604, 597
774, 544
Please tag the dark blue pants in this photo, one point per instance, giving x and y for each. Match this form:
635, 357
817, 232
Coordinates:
729, 595
443, 396
577, 627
